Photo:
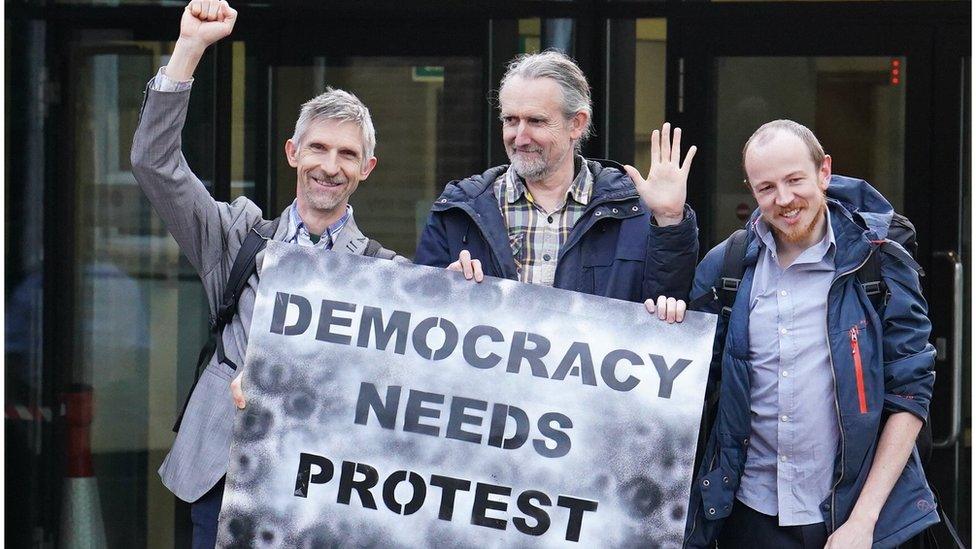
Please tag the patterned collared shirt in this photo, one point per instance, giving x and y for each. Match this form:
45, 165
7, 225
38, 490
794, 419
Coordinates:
535, 235
298, 232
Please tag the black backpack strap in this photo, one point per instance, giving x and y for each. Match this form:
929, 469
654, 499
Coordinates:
869, 275
732, 269
240, 271
375, 249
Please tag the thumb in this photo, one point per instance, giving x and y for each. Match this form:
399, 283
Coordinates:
633, 173
237, 392
227, 13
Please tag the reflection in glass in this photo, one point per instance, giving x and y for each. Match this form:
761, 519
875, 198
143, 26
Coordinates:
139, 307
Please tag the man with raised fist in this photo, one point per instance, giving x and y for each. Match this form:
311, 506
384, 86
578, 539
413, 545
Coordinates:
331, 151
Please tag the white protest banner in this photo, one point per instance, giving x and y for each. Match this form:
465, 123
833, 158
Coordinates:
398, 405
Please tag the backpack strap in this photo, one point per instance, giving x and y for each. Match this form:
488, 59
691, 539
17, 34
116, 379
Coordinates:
869, 274
244, 264
375, 249
732, 269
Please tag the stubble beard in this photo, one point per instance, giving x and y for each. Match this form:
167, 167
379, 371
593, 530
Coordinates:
324, 199
800, 234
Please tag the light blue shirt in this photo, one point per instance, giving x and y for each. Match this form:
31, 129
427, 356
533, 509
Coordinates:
790, 459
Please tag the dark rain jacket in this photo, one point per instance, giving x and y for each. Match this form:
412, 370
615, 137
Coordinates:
613, 250
884, 357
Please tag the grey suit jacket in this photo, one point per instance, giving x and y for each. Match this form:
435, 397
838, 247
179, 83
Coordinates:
209, 233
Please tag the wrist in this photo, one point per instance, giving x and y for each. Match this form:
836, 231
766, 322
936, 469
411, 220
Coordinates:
186, 56
864, 516
666, 218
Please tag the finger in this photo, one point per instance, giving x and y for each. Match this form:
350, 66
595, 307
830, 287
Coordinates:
666, 142
456, 266
635, 175
465, 258
195, 8
662, 307
649, 305
479, 275
686, 166
227, 12
676, 146
237, 392
682, 308
655, 147
672, 309
212, 9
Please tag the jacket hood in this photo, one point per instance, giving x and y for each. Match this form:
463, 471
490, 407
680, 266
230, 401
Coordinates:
862, 201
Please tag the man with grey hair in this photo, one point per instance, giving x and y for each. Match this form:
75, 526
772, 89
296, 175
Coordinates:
552, 217
331, 151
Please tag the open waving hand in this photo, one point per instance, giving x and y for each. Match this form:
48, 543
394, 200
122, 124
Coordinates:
666, 186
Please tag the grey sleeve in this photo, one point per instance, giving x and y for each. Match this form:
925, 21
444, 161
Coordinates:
203, 227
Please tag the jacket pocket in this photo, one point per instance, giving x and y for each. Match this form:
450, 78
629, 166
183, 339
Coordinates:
862, 399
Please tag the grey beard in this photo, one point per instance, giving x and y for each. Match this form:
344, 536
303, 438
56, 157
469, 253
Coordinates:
532, 170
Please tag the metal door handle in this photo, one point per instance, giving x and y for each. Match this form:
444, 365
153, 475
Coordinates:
956, 361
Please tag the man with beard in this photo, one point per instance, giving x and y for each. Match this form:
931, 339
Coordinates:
821, 391
331, 151
557, 219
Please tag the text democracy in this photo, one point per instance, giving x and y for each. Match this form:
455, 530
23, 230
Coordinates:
366, 326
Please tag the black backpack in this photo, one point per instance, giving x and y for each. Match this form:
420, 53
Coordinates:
241, 270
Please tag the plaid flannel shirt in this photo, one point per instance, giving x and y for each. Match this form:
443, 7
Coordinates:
534, 234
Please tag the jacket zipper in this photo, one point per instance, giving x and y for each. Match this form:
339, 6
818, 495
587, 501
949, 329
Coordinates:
858, 371
840, 423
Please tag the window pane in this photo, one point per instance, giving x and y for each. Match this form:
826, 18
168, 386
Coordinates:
139, 306
649, 85
855, 106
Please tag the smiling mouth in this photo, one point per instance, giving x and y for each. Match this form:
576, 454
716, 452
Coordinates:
329, 183
791, 214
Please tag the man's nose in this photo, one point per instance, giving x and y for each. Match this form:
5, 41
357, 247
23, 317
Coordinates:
330, 163
522, 136
783, 195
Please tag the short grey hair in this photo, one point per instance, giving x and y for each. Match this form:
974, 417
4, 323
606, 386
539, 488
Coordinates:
339, 105
769, 129
565, 72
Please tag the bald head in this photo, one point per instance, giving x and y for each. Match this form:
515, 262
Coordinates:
769, 130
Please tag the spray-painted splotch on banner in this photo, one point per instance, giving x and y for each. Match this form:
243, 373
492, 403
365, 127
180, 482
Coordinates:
393, 405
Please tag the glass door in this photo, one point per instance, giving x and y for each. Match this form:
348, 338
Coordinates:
890, 103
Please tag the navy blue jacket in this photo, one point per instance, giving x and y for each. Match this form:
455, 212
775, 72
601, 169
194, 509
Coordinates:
896, 360
612, 251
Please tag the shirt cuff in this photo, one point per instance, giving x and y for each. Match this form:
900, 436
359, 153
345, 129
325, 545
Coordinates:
163, 83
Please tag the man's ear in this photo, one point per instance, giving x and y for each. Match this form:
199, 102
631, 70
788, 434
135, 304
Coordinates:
824, 175
368, 167
291, 153
577, 124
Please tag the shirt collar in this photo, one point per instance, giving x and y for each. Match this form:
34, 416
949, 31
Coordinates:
297, 227
580, 190
813, 254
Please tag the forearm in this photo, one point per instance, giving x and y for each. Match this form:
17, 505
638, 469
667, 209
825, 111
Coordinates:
894, 448
186, 56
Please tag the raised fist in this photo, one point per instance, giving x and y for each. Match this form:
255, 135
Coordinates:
207, 21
